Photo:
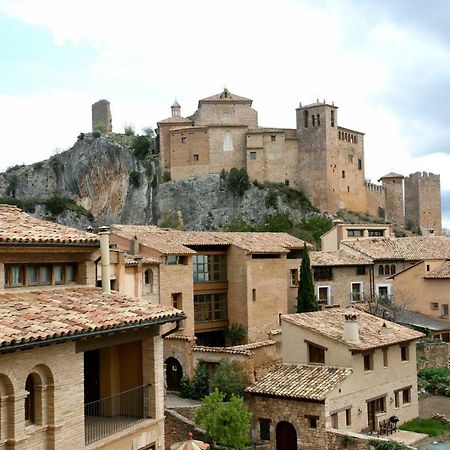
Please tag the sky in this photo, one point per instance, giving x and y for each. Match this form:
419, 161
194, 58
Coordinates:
385, 63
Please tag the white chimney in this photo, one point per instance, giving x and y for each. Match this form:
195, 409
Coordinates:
134, 246
384, 329
105, 263
351, 332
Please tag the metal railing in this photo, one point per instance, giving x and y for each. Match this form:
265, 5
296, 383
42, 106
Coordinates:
112, 414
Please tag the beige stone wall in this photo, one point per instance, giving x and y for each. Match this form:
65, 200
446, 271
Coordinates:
375, 200
182, 350
417, 293
394, 199
226, 113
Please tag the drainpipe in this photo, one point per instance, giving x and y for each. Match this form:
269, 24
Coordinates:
105, 263
168, 333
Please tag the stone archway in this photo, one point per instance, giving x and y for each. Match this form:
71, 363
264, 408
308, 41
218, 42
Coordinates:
174, 373
286, 436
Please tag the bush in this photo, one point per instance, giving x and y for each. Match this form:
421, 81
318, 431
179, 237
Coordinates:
272, 199
81, 136
226, 424
387, 445
100, 127
235, 334
275, 223
238, 181
229, 379
141, 147
96, 134
435, 381
57, 205
316, 226
197, 387
166, 176
135, 179
128, 129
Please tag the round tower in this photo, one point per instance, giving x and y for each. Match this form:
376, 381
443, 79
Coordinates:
393, 191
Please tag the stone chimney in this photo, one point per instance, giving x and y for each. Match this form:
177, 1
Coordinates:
134, 246
105, 263
384, 329
351, 331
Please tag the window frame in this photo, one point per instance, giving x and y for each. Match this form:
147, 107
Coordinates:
368, 362
404, 353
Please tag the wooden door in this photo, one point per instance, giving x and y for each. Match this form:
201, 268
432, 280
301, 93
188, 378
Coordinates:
286, 436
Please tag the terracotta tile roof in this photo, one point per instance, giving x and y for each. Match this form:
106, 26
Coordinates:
407, 248
300, 381
175, 119
392, 175
34, 316
441, 272
134, 260
330, 323
225, 96
246, 349
338, 258
17, 226
172, 242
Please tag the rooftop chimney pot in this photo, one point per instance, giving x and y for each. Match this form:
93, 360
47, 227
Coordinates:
351, 331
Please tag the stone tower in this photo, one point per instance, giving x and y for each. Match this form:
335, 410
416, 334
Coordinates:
331, 160
176, 109
393, 188
101, 116
423, 203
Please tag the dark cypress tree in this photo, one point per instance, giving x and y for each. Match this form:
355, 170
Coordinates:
306, 300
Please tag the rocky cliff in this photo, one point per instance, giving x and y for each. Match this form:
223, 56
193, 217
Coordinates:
100, 181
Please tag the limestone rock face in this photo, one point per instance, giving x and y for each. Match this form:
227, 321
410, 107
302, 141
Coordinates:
95, 174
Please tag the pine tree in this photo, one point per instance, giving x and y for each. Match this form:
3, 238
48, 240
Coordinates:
306, 300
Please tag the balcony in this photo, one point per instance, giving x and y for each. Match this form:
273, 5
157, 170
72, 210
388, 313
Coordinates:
116, 413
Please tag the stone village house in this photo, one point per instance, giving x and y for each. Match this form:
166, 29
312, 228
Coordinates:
342, 369
80, 367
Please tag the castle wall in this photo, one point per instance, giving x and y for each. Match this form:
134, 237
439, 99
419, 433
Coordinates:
101, 115
226, 113
423, 202
394, 199
375, 200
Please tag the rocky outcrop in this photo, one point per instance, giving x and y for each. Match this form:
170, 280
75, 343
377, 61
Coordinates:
104, 177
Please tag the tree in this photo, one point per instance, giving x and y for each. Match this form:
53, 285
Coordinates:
197, 387
306, 300
226, 423
238, 181
229, 379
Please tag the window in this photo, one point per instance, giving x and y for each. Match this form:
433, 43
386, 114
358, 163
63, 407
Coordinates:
209, 268
428, 267
323, 295
380, 270
209, 307
397, 399
173, 260
355, 233
350, 159
148, 276
334, 421
385, 357
360, 270
177, 300
313, 120
444, 310
226, 115
368, 362
376, 233
294, 277
445, 337
254, 295
323, 273
264, 429
434, 305
356, 292
348, 417
392, 269
318, 120
332, 118
343, 174
38, 275
386, 269
404, 352
253, 156
227, 141
273, 138
195, 157
286, 182
183, 140
359, 164
305, 118
406, 395
379, 405
313, 422
30, 400
316, 354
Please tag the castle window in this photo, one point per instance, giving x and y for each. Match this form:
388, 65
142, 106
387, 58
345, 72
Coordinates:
318, 120
428, 267
227, 141
350, 159
286, 182
355, 139
343, 174
273, 138
305, 118
195, 157
183, 140
359, 164
252, 156
392, 269
380, 270
313, 120
386, 269
332, 118
340, 135
348, 188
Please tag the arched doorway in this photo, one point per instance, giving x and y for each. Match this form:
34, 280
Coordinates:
174, 373
286, 436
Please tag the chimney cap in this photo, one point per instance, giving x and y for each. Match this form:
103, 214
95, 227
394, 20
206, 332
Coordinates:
103, 229
351, 317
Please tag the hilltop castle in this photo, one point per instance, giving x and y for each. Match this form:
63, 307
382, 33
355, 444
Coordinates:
318, 157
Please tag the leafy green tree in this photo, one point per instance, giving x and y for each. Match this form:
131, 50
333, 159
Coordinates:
229, 379
238, 181
140, 146
306, 300
197, 387
226, 423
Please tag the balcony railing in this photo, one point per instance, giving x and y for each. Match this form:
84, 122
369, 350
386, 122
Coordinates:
112, 414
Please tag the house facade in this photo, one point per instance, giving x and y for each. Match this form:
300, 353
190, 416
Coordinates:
342, 369
80, 366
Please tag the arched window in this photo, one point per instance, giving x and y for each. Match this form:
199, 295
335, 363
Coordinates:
305, 118
227, 141
392, 269
148, 281
380, 270
30, 400
386, 269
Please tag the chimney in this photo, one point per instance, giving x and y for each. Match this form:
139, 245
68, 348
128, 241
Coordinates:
104, 254
384, 329
351, 332
134, 246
